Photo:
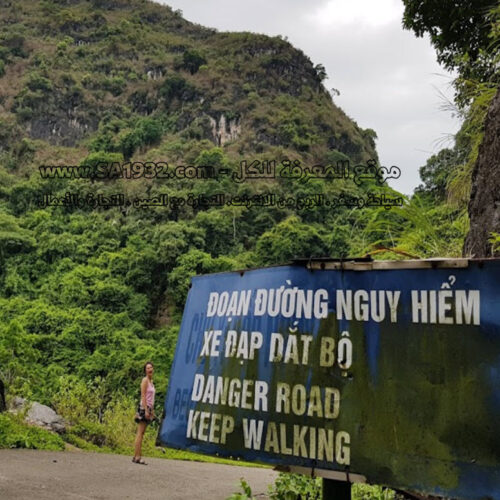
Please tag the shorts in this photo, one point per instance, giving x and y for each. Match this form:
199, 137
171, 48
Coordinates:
140, 415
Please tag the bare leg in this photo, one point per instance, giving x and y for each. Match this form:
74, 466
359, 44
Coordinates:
141, 427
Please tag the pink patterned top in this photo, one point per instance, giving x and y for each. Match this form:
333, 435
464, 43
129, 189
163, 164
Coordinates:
150, 395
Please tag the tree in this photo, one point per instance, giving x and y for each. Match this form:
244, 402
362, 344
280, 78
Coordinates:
13, 238
192, 60
192, 263
289, 239
176, 87
456, 27
93, 160
436, 173
16, 354
461, 32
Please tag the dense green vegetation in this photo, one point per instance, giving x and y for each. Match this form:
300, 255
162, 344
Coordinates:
15, 434
297, 487
466, 36
87, 295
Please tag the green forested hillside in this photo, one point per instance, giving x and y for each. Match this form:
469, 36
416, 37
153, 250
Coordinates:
88, 294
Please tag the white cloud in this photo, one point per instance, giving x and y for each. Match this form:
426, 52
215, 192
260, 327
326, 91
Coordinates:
357, 12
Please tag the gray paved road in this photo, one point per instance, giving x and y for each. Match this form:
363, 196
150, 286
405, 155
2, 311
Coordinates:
41, 475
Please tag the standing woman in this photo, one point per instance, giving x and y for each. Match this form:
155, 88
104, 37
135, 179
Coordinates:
145, 413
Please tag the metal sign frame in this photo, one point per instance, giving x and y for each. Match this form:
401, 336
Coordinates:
445, 447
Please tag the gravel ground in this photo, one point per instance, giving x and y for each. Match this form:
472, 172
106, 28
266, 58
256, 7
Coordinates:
40, 475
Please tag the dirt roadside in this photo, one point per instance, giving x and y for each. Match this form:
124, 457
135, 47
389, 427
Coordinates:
33, 474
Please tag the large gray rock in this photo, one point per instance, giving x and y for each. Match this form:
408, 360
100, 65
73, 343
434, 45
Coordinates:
39, 415
484, 205
17, 404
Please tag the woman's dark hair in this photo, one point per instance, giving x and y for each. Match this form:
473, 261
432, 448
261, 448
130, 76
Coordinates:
146, 364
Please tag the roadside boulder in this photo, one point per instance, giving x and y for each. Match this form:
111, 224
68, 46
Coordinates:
39, 415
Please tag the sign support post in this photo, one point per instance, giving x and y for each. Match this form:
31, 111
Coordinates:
336, 490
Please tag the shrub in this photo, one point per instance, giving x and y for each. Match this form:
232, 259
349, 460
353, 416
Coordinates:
247, 492
4, 53
289, 239
91, 432
15, 43
78, 401
39, 82
295, 487
15, 434
115, 85
146, 131
93, 160
176, 87
192, 61
149, 130
118, 423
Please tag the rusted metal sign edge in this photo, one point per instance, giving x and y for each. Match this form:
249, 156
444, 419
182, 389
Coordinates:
367, 264
382, 265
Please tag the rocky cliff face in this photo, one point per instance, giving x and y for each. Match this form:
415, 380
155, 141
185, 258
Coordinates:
484, 205
84, 75
224, 130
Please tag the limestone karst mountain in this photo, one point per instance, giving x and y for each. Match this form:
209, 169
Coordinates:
83, 74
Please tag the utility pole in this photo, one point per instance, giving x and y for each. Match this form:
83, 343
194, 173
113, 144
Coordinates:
336, 490
3, 406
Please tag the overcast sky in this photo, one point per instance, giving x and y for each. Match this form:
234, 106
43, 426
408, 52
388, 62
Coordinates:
388, 79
